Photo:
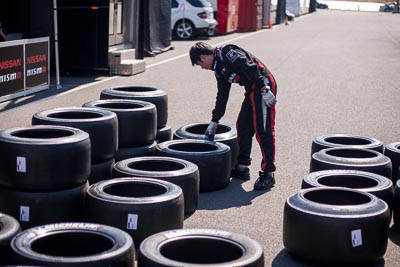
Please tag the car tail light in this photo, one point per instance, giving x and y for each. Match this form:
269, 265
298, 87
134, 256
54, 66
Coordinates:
202, 15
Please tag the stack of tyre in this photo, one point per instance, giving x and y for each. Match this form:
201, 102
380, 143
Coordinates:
44, 173
392, 151
152, 95
214, 158
182, 173
102, 127
342, 213
136, 125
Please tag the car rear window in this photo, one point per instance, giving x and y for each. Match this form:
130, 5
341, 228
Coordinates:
197, 3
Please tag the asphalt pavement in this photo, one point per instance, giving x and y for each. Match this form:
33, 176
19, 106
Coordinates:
337, 72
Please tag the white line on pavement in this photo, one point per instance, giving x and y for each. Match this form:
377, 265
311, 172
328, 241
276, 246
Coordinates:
114, 77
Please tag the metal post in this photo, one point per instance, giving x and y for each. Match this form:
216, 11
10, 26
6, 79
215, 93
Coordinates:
56, 44
140, 15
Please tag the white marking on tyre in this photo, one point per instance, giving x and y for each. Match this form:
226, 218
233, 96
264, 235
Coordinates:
132, 221
356, 238
21, 164
24, 214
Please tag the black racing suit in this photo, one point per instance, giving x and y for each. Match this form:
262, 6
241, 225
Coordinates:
233, 64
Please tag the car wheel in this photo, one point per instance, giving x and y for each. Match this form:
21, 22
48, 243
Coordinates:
73, 244
200, 247
211, 32
184, 29
352, 223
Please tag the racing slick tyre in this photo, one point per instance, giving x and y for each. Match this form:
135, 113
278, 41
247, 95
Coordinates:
73, 244
345, 140
101, 171
369, 182
200, 247
396, 205
136, 120
164, 134
212, 158
224, 134
349, 158
37, 208
9, 227
177, 171
336, 226
150, 94
139, 206
393, 152
132, 152
101, 125
34, 158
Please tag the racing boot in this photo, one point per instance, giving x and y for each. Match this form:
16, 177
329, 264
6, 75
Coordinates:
242, 173
265, 181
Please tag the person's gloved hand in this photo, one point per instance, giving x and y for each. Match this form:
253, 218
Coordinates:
268, 97
211, 129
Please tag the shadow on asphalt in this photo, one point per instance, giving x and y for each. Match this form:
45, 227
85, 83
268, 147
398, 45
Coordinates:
67, 83
285, 259
394, 235
233, 195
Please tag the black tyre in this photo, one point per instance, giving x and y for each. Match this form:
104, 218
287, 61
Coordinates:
132, 152
9, 227
74, 244
348, 158
101, 171
396, 205
200, 247
393, 152
137, 120
37, 208
212, 158
150, 94
101, 125
44, 157
369, 182
345, 140
177, 171
139, 206
224, 134
164, 134
336, 226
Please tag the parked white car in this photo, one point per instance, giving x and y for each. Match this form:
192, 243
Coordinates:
192, 17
